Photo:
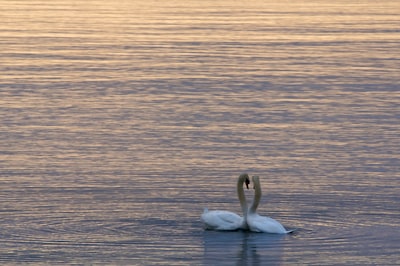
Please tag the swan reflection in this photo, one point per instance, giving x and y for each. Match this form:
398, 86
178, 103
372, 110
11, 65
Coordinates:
242, 248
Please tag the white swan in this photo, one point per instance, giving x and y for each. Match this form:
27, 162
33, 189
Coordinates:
258, 223
226, 220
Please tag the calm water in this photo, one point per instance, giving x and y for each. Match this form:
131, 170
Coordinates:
121, 120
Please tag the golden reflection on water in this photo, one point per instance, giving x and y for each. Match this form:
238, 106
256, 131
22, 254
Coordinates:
122, 120
156, 40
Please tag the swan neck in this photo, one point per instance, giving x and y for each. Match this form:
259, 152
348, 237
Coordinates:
257, 197
242, 197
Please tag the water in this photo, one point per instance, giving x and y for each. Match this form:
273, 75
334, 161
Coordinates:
122, 120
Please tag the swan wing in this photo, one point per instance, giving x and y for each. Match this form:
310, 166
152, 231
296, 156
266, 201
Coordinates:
221, 220
265, 224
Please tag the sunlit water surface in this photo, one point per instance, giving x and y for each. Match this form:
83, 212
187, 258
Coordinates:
121, 120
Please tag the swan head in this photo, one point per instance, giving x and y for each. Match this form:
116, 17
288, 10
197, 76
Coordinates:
246, 179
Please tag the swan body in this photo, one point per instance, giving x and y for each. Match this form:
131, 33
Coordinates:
226, 220
263, 224
258, 223
221, 220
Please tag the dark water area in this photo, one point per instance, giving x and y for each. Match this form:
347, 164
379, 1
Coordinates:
121, 121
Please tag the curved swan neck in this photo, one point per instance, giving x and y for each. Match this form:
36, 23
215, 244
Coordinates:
257, 194
241, 195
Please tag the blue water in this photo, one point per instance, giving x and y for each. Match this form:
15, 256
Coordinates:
121, 121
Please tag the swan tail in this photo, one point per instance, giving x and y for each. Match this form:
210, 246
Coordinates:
205, 210
291, 231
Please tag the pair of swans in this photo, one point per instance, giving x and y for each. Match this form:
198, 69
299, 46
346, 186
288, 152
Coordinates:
251, 220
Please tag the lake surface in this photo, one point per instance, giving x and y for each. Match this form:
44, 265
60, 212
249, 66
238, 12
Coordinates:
122, 120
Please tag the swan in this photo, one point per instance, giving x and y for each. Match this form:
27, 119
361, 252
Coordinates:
258, 223
226, 220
